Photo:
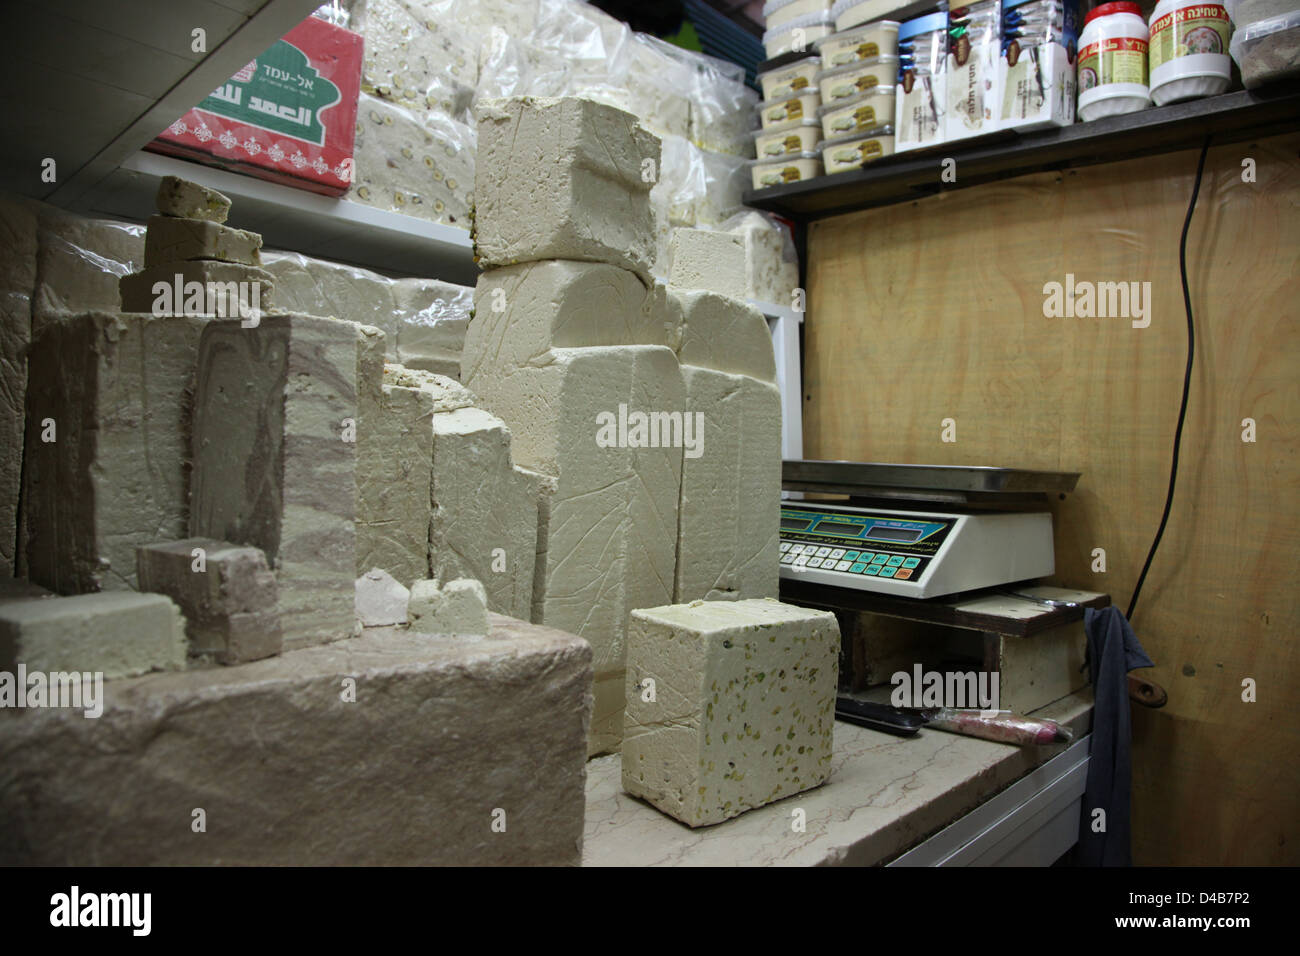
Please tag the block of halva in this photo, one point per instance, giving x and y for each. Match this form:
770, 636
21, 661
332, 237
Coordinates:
458, 607
724, 334
563, 178
771, 264
741, 709
708, 260
79, 261
186, 200
18, 237
199, 287
108, 437
277, 435
176, 240
730, 510
119, 635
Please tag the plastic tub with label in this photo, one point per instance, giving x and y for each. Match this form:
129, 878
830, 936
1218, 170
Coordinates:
848, 14
801, 136
788, 109
787, 169
850, 82
777, 13
788, 80
797, 35
857, 149
1267, 50
1113, 62
861, 43
869, 111
1189, 50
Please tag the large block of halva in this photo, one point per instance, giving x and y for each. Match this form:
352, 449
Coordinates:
741, 710
730, 511
724, 334
709, 260
563, 179
484, 510
277, 432
108, 437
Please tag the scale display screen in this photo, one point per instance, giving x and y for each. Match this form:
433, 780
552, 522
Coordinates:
881, 533
795, 524
837, 528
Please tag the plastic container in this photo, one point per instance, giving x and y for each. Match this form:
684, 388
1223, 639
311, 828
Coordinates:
856, 150
801, 136
869, 111
1189, 50
789, 108
1268, 50
788, 80
848, 14
862, 43
849, 82
797, 35
787, 169
1113, 62
779, 12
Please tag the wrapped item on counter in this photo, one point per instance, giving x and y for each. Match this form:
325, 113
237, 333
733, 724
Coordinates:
922, 95
771, 262
79, 261
422, 167
1036, 72
417, 55
424, 320
974, 50
696, 186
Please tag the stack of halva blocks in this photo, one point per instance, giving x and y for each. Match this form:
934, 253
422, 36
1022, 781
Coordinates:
202, 491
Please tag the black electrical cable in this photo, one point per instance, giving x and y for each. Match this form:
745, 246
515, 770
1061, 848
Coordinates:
1187, 380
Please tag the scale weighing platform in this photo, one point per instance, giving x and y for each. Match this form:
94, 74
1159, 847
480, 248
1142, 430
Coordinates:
921, 553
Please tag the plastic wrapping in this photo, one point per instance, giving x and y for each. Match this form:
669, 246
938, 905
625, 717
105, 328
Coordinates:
424, 320
419, 165
80, 260
1268, 50
771, 261
417, 55
1002, 727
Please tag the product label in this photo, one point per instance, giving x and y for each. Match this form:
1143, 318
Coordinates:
862, 51
786, 112
864, 117
789, 87
852, 156
1113, 60
1197, 29
778, 176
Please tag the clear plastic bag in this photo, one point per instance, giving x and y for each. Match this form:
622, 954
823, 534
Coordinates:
80, 260
771, 261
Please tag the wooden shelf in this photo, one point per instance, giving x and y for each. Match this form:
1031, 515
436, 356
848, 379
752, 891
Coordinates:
297, 220
1230, 117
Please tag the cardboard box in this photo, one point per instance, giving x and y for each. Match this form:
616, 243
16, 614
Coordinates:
288, 116
1036, 73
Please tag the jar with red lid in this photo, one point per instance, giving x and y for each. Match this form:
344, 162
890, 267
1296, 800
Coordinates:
1113, 62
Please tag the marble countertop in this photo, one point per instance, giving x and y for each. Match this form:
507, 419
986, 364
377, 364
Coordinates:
885, 794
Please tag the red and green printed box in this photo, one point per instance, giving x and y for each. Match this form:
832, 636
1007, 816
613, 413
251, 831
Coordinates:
289, 116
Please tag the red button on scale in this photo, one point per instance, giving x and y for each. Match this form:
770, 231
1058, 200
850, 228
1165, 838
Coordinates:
902, 573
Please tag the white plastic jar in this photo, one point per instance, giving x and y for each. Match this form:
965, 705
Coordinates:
1113, 62
1189, 50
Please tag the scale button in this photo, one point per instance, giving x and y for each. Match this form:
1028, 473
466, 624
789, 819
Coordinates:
785, 546
823, 552
814, 562
895, 561
837, 553
887, 572
872, 569
911, 562
879, 559
857, 568
851, 555
787, 558
903, 573
801, 560
843, 565
796, 549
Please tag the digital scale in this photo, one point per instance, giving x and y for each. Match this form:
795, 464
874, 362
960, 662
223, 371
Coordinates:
983, 535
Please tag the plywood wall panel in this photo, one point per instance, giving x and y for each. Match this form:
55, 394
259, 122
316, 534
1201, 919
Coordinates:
934, 310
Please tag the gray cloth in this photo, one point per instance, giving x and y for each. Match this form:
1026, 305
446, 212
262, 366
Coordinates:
1113, 650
